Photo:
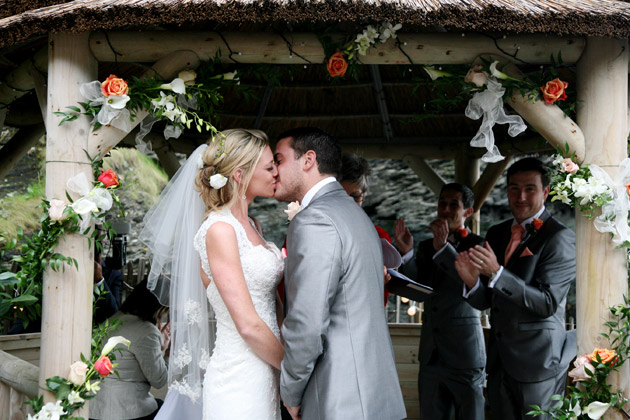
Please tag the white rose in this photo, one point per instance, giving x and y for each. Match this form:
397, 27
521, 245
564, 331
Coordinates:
77, 373
218, 181
293, 209
188, 76
56, 210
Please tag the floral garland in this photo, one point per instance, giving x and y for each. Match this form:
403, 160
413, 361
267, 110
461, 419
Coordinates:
187, 100
346, 56
36, 253
82, 382
590, 397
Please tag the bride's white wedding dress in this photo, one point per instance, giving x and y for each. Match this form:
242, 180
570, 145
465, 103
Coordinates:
238, 384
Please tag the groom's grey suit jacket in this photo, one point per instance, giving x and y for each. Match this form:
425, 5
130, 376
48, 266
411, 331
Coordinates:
529, 339
338, 362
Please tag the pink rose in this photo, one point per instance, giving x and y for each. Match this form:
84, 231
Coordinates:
55, 212
579, 373
569, 166
476, 76
103, 366
77, 373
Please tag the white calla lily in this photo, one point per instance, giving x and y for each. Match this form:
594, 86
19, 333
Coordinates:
596, 409
116, 102
113, 342
84, 206
230, 76
435, 73
499, 74
177, 86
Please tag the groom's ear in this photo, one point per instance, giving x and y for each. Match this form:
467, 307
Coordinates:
310, 159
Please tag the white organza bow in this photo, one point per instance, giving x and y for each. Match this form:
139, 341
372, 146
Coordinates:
489, 104
614, 217
113, 108
92, 199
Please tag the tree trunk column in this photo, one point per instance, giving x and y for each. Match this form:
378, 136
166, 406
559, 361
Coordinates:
602, 275
67, 296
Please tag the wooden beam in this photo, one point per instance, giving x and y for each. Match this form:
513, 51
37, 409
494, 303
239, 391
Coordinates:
425, 172
102, 140
39, 81
67, 294
602, 273
267, 47
19, 81
18, 146
19, 374
487, 181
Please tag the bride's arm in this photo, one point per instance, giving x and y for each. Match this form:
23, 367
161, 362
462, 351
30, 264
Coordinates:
227, 273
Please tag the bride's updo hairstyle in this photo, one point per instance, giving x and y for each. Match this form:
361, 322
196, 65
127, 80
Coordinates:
228, 152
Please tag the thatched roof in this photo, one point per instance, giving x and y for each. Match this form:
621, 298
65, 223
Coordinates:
21, 20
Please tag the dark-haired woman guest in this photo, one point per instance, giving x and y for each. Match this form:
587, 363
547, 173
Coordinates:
140, 367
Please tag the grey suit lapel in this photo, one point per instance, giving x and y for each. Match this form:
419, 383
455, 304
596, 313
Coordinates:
326, 189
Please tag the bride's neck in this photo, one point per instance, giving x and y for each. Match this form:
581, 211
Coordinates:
239, 211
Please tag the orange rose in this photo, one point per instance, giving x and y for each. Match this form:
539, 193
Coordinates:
537, 223
554, 91
628, 189
108, 178
337, 65
606, 356
463, 232
114, 86
103, 366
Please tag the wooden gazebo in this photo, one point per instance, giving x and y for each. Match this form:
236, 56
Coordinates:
48, 48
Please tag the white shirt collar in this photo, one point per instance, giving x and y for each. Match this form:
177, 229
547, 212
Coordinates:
314, 189
528, 221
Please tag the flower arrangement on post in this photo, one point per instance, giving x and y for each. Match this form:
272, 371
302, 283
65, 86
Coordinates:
343, 58
36, 253
187, 100
81, 383
590, 396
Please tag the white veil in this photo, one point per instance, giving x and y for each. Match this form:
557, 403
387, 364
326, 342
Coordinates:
169, 229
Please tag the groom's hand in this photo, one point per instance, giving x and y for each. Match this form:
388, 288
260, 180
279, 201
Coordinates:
294, 411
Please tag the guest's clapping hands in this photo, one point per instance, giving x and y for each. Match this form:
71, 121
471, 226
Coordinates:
439, 229
484, 259
404, 239
467, 271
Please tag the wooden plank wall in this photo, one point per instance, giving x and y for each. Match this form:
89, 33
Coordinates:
26, 347
405, 340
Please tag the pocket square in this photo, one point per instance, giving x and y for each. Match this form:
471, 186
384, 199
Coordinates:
526, 253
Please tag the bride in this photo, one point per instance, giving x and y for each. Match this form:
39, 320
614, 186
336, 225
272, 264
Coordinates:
238, 276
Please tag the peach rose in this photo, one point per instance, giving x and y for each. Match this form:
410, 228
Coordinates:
103, 366
108, 178
476, 76
77, 373
628, 188
579, 373
569, 166
114, 86
606, 356
554, 91
337, 65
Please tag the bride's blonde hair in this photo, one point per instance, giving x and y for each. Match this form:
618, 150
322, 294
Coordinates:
229, 151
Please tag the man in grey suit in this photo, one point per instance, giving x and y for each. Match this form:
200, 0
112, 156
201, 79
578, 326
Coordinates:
338, 361
452, 351
527, 266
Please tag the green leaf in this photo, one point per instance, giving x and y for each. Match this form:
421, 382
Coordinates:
24, 299
53, 383
8, 279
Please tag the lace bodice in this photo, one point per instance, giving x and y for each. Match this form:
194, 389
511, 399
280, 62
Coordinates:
234, 368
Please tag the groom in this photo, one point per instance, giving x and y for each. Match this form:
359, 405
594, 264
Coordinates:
338, 361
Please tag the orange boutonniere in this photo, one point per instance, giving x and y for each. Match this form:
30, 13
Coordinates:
534, 226
462, 232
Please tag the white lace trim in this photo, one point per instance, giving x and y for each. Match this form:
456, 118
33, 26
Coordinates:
183, 358
204, 360
193, 312
184, 388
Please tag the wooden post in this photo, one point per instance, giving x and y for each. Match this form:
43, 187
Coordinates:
602, 275
67, 296
425, 172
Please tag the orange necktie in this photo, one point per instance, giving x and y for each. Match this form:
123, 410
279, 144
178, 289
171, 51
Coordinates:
515, 240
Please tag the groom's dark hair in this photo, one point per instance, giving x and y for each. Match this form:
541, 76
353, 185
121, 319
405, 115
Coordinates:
327, 151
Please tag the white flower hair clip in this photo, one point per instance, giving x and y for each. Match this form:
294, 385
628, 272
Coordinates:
218, 181
200, 163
